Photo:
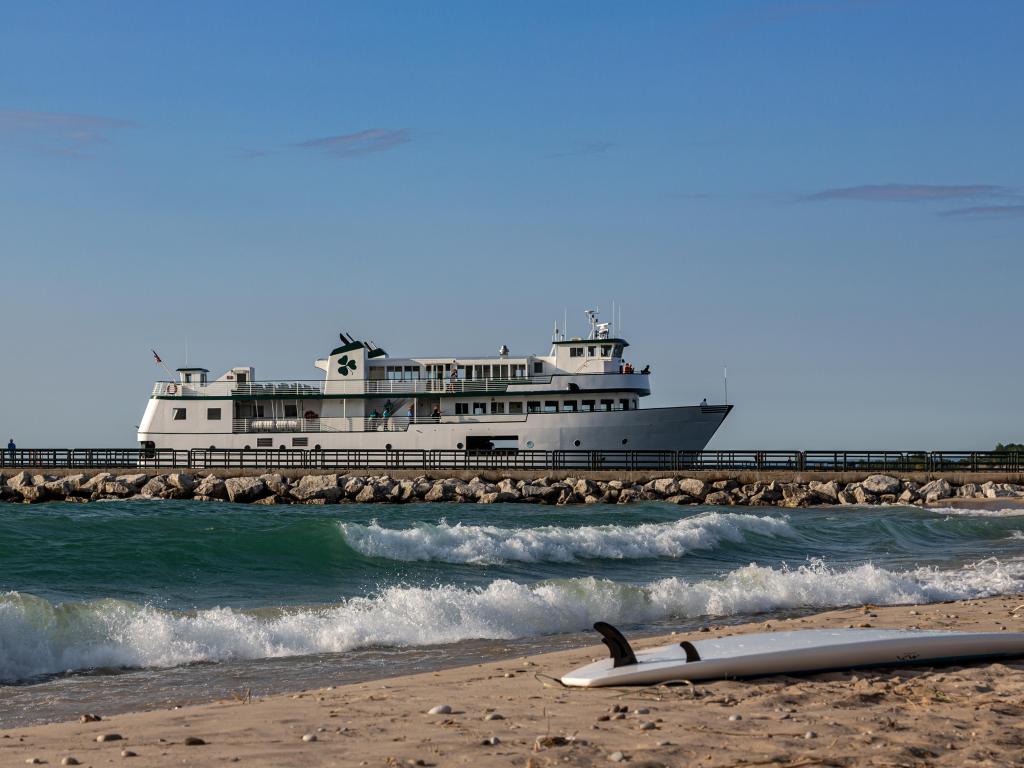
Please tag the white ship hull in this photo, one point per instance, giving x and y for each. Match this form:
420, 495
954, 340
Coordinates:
687, 428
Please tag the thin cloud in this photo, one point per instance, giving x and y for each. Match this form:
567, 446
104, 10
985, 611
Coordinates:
911, 193
985, 212
588, 148
356, 144
58, 133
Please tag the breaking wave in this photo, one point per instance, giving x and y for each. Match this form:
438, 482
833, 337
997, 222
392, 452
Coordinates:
488, 545
39, 638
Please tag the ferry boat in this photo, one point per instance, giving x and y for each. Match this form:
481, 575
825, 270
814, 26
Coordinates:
581, 395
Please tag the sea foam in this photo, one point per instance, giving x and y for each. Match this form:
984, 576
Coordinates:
486, 545
38, 637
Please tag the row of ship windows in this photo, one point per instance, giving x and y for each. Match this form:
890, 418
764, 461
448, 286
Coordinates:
291, 411
466, 372
591, 351
547, 406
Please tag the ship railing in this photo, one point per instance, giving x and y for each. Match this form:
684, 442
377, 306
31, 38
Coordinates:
360, 423
318, 388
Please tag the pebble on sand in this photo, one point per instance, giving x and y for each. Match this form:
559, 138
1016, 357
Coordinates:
128, 753
493, 741
734, 718
810, 735
89, 718
647, 726
494, 716
193, 741
616, 757
440, 709
109, 737
309, 737
69, 760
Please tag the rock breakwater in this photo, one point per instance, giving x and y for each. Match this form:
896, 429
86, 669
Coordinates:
273, 488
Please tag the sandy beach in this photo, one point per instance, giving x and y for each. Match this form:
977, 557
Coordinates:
513, 714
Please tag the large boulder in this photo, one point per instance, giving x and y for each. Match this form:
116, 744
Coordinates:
936, 490
317, 487
276, 482
354, 486
95, 483
879, 484
440, 491
118, 489
245, 490
20, 480
540, 494
666, 486
136, 480
828, 492
155, 487
863, 495
718, 498
211, 487
372, 492
693, 487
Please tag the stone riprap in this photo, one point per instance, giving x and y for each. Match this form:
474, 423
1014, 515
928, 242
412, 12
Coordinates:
274, 488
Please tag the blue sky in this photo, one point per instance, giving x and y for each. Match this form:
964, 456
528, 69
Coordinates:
825, 196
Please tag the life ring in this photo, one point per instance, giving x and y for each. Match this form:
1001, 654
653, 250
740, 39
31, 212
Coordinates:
309, 415
172, 388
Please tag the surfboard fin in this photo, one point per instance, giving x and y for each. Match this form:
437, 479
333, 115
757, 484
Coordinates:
618, 645
691, 652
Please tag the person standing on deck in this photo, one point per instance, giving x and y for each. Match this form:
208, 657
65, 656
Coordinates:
11, 448
453, 375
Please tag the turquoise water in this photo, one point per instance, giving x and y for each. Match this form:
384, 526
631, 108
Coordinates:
181, 600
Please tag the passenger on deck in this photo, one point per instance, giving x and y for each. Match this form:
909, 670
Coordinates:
374, 416
411, 413
628, 368
646, 371
11, 448
388, 409
436, 413
453, 375
704, 401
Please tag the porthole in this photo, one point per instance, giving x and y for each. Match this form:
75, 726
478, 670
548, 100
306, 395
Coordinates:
576, 443
316, 447
387, 447
213, 448
459, 446
529, 443
280, 447
625, 440
247, 448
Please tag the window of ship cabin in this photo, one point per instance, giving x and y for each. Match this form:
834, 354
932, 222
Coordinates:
569, 406
575, 351
591, 351
479, 409
538, 367
264, 442
605, 349
497, 408
300, 442
519, 370
636, 404
624, 403
213, 414
258, 411
606, 405
291, 411
617, 350
241, 378
465, 372
587, 406
393, 372
178, 414
188, 378
533, 406
412, 371
515, 408
501, 371
461, 409
550, 406
482, 371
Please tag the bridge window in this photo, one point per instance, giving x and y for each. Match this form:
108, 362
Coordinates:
575, 351
624, 403
479, 409
213, 414
606, 405
569, 406
461, 409
291, 411
587, 406
538, 367
178, 414
519, 370
497, 408
550, 406
533, 406
605, 349
591, 351
515, 408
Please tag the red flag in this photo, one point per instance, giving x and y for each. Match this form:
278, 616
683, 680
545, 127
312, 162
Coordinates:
156, 356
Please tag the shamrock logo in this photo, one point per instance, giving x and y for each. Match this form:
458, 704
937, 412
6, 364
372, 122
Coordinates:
345, 365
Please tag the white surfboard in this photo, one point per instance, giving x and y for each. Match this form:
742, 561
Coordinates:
774, 653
